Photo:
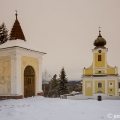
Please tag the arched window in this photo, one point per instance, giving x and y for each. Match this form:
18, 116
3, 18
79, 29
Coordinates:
99, 58
29, 71
99, 85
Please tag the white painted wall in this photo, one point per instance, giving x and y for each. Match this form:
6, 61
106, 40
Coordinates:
16, 54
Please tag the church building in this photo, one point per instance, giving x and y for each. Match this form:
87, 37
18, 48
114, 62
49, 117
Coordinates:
100, 78
20, 66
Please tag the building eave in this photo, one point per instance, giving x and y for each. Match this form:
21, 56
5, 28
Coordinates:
22, 48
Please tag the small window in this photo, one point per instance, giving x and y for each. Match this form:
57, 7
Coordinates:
110, 85
99, 58
88, 85
99, 71
99, 85
110, 89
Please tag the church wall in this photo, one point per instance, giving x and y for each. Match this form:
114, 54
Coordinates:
88, 88
97, 71
111, 88
31, 61
111, 71
83, 87
102, 89
88, 72
5, 75
99, 63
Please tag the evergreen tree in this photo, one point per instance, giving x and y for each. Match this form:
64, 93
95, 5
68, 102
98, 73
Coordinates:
62, 83
3, 34
53, 86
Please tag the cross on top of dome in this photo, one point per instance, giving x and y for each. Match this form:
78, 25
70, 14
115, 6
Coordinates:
100, 42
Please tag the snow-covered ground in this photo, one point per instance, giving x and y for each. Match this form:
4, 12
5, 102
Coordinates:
40, 108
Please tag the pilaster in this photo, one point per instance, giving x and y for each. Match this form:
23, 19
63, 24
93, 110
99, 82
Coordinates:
93, 87
83, 88
106, 86
40, 91
16, 84
116, 87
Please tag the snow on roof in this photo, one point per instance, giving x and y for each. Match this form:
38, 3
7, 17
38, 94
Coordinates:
19, 43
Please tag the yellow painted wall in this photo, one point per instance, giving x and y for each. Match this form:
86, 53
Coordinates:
5, 75
99, 63
88, 91
88, 72
30, 61
99, 89
113, 89
97, 71
111, 71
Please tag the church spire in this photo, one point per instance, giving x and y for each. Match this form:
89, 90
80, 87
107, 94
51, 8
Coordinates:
16, 31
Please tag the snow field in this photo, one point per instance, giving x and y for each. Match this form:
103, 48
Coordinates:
40, 108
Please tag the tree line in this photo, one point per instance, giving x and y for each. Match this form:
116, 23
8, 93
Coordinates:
58, 86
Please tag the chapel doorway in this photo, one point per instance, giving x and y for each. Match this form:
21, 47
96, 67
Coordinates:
29, 82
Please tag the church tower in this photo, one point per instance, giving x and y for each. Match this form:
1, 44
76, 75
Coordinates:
100, 78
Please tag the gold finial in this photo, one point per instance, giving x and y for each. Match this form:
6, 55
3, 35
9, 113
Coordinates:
16, 14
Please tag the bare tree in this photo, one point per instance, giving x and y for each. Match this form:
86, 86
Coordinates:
45, 78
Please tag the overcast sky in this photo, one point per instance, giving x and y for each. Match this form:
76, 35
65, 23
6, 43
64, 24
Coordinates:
66, 30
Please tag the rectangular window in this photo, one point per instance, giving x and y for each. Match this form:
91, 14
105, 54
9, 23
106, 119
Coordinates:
110, 85
99, 85
88, 85
99, 58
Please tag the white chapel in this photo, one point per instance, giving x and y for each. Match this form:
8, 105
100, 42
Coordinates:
20, 66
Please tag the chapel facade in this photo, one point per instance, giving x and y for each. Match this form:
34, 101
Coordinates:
100, 78
20, 67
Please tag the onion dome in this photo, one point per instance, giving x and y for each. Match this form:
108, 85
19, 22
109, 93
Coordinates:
100, 42
16, 32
